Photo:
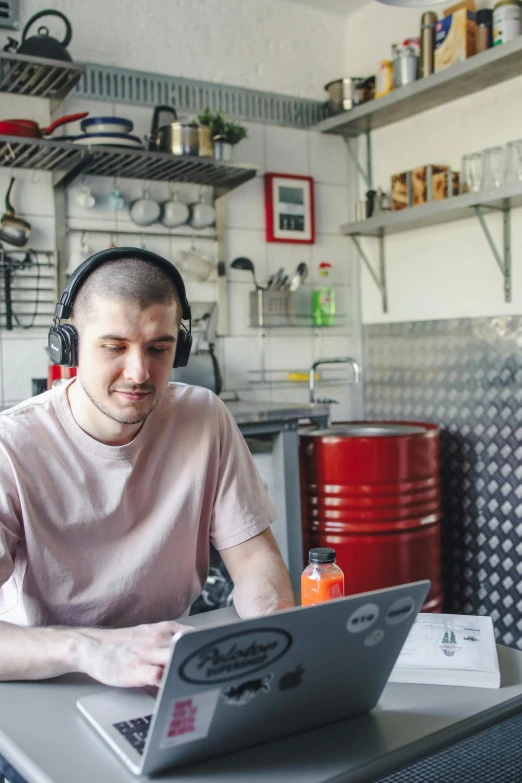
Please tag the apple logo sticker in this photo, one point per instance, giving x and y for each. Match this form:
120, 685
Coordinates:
400, 610
361, 619
374, 638
291, 679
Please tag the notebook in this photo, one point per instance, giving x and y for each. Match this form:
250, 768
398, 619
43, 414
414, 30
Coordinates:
449, 649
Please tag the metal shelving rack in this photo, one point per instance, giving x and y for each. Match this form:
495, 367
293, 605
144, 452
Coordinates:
479, 72
38, 77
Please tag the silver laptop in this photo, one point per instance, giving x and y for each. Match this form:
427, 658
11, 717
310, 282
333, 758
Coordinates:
238, 683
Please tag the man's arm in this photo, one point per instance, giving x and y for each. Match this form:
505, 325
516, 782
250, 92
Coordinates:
261, 580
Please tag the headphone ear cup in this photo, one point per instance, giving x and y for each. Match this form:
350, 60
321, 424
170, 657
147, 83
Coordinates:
183, 347
69, 340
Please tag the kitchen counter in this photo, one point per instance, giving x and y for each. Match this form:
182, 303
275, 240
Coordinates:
245, 412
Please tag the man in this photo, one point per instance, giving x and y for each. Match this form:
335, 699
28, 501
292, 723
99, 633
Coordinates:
111, 486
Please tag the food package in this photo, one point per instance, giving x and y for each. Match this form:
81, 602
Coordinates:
455, 35
401, 191
438, 176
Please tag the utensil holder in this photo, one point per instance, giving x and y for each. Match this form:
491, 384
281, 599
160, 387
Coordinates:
272, 308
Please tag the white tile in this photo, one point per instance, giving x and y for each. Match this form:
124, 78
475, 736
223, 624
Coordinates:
347, 406
337, 251
328, 158
286, 150
252, 149
245, 206
290, 354
37, 109
43, 235
332, 346
32, 192
239, 309
73, 105
288, 256
200, 292
242, 355
331, 208
22, 360
294, 394
250, 244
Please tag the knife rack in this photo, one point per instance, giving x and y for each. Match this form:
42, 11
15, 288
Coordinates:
272, 308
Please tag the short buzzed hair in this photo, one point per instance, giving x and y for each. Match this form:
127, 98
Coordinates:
131, 280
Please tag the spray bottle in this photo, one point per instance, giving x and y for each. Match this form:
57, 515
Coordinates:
324, 300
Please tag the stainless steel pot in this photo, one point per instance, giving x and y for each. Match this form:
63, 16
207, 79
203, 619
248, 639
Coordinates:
179, 137
348, 92
406, 66
13, 229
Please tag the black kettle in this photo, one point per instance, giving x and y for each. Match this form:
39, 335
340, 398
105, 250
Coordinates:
43, 45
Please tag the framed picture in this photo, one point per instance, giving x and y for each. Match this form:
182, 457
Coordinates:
289, 208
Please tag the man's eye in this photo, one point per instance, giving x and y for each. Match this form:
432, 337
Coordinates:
159, 350
113, 348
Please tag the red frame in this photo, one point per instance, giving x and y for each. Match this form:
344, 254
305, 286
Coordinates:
269, 208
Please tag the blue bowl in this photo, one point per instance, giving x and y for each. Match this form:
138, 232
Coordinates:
106, 125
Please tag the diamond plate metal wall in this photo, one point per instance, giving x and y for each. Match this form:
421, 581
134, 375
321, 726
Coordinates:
465, 375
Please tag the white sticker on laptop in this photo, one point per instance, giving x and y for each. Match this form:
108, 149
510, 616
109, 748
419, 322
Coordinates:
189, 718
400, 610
362, 618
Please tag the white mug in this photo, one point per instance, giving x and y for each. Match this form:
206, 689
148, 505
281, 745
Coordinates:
85, 199
202, 215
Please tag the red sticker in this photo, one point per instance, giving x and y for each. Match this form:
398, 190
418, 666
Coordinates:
190, 718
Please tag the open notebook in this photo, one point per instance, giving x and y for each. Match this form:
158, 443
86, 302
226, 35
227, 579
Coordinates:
449, 649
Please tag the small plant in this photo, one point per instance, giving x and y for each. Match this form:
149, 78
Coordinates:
234, 132
227, 131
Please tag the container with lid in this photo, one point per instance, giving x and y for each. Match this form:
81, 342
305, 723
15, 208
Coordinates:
322, 579
428, 21
507, 21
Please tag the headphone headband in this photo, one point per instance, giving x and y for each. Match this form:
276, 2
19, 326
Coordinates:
64, 307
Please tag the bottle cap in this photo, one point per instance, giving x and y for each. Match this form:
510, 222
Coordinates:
485, 16
322, 555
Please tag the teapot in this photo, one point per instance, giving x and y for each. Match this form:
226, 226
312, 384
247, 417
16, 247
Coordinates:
43, 45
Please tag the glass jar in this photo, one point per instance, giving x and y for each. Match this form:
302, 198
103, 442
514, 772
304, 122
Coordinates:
322, 580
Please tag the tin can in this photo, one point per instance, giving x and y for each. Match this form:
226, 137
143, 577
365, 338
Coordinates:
507, 21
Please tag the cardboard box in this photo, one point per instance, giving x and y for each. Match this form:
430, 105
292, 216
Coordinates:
434, 178
455, 38
401, 191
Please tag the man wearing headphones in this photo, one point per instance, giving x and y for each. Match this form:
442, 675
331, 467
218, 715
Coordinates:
112, 485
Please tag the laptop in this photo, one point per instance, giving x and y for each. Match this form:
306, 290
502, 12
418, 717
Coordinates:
239, 683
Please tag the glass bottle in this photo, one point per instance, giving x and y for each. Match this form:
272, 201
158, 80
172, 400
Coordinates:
322, 579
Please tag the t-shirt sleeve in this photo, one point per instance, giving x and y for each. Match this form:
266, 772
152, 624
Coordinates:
242, 508
10, 522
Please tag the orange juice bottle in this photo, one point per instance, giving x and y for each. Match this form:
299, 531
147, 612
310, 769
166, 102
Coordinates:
322, 579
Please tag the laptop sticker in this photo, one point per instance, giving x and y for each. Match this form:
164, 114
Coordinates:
291, 679
190, 718
374, 638
400, 610
235, 655
239, 695
362, 618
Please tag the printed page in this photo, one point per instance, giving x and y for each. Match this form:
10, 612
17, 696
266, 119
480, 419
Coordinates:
449, 642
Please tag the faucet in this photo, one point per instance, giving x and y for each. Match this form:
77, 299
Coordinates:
341, 360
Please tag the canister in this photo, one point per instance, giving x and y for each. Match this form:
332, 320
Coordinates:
428, 21
507, 16
484, 29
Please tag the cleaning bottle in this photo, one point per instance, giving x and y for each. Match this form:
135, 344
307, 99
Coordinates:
324, 300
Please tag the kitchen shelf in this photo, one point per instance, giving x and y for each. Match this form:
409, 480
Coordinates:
67, 160
486, 69
38, 76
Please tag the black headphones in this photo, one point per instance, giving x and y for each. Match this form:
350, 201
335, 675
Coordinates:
63, 338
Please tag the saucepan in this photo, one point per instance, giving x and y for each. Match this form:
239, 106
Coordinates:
32, 130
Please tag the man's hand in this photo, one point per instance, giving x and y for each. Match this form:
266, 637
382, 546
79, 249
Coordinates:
128, 657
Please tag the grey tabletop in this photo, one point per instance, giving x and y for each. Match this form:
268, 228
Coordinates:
46, 739
246, 412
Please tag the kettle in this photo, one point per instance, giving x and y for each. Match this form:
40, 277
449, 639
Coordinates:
43, 45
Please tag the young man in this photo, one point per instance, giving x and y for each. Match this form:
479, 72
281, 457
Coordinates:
110, 488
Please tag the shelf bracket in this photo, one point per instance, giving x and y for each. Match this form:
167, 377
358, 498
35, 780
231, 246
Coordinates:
380, 278
504, 260
366, 173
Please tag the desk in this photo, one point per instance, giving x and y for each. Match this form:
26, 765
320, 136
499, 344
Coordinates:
45, 738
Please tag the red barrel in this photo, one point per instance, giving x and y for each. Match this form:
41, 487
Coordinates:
371, 491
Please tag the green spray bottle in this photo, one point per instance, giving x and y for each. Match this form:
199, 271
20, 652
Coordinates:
324, 300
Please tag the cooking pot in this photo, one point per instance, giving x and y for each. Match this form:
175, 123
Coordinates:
32, 130
202, 370
348, 92
43, 45
13, 229
179, 137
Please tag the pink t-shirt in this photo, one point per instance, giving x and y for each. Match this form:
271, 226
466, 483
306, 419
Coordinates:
96, 535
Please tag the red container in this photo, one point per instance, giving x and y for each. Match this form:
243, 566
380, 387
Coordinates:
371, 491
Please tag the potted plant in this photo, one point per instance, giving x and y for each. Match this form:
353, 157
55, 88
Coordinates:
225, 133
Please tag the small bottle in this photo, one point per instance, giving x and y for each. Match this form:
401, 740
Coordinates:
323, 305
322, 579
484, 30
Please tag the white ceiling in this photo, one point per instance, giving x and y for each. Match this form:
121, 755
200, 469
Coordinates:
340, 7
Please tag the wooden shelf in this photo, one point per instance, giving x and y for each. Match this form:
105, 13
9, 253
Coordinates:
483, 70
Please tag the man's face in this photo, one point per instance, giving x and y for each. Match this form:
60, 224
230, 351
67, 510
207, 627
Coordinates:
126, 356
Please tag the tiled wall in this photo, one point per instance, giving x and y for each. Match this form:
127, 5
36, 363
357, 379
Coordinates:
465, 375
272, 149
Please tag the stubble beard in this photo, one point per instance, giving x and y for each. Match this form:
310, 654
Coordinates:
107, 411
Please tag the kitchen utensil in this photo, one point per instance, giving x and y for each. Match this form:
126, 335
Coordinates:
144, 211
109, 140
247, 265
32, 130
174, 212
202, 215
43, 45
194, 264
13, 229
107, 125
514, 161
342, 93
301, 273
84, 198
206, 145
179, 137
276, 279
116, 199
405, 66
472, 172
494, 167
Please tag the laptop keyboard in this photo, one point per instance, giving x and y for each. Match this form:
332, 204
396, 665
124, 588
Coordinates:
135, 731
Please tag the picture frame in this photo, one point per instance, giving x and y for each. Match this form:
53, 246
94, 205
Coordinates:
289, 208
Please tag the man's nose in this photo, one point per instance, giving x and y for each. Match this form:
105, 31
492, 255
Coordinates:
136, 368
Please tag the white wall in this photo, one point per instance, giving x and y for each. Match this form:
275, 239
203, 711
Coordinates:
445, 271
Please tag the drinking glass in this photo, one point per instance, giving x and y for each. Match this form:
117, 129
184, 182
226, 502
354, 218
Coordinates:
514, 161
472, 172
494, 167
